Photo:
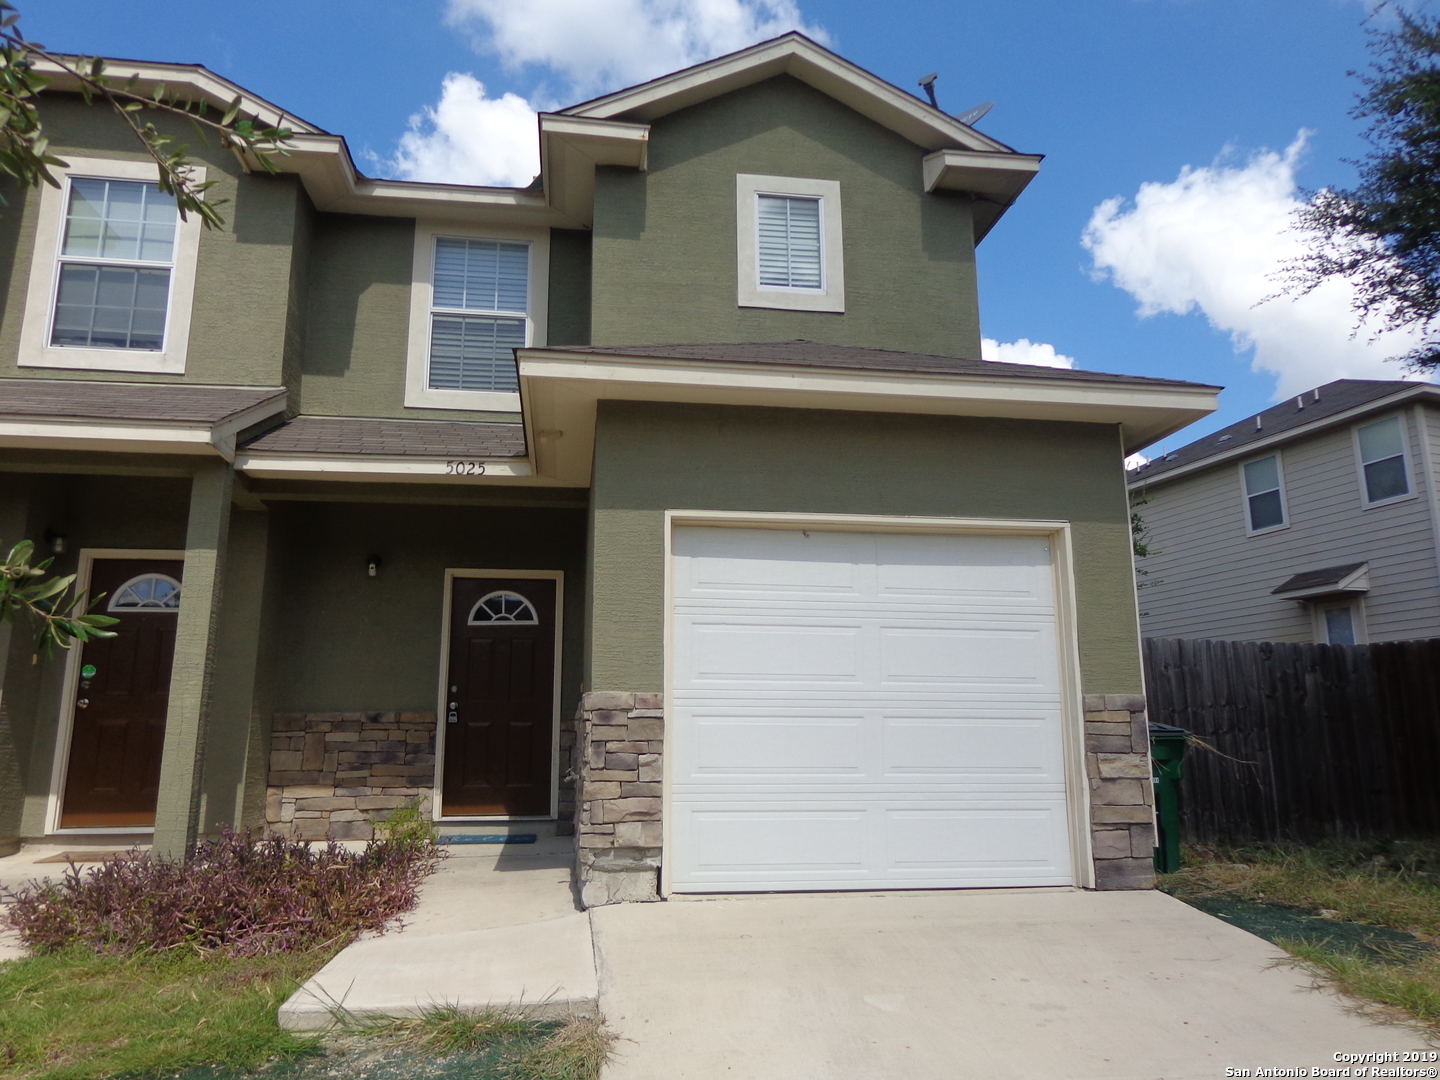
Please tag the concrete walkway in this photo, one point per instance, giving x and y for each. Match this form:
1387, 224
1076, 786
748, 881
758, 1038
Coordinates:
494, 926
1021, 984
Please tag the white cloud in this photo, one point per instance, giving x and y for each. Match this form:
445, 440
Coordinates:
1212, 241
1024, 351
470, 138
584, 47
600, 45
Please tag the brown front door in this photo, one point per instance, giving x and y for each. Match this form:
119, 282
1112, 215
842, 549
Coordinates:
113, 774
500, 708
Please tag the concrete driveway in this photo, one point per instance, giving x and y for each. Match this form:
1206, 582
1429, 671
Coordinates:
957, 985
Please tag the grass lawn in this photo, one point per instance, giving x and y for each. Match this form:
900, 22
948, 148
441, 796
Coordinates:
77, 1015
1394, 885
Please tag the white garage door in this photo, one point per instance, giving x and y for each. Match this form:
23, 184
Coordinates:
864, 710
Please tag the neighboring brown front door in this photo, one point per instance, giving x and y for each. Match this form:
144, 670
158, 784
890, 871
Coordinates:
500, 709
113, 775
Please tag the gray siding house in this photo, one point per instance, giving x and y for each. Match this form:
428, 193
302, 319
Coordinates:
1315, 520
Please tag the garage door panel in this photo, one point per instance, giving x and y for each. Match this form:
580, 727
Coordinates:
771, 744
1020, 839
765, 563
920, 747
1018, 659
985, 570
778, 840
769, 652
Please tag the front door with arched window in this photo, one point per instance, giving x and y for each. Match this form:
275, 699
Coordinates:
112, 775
499, 711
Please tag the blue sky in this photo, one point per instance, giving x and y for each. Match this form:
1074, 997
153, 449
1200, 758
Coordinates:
1120, 95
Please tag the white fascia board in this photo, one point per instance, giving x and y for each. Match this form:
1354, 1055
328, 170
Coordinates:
222, 436
997, 176
796, 55
570, 149
559, 393
129, 437
1289, 434
191, 80
366, 467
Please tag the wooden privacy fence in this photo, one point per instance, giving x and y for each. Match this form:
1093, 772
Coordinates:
1319, 741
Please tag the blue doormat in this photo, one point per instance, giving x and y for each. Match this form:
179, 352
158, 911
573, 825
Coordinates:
489, 838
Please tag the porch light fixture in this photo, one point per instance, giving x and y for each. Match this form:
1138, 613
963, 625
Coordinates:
56, 540
372, 565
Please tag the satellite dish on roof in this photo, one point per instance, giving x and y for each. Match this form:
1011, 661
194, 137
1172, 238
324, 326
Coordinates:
928, 82
971, 117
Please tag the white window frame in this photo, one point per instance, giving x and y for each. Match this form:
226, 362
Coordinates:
1356, 605
1284, 499
1365, 502
418, 394
831, 295
35, 349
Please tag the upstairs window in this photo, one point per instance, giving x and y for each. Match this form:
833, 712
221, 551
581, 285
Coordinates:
480, 300
1382, 460
789, 248
112, 277
1264, 496
789, 242
116, 257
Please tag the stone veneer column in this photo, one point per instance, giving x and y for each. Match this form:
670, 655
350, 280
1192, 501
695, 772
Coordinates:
619, 742
1122, 816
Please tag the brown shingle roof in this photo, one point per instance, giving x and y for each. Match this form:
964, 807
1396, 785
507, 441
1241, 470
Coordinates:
848, 357
390, 438
55, 399
1328, 400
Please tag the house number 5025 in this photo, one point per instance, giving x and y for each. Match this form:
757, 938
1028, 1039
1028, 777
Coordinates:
465, 468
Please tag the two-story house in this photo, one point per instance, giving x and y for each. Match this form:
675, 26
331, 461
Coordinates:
666, 499
1315, 520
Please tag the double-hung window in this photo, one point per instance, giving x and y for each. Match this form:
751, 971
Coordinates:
477, 294
1264, 494
1382, 460
479, 302
117, 254
789, 247
112, 274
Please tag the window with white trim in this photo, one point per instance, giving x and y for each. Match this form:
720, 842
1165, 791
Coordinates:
1383, 465
147, 592
112, 275
1340, 622
480, 298
476, 297
1264, 494
503, 607
789, 246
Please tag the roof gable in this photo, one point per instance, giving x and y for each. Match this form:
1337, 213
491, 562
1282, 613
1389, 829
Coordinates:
793, 54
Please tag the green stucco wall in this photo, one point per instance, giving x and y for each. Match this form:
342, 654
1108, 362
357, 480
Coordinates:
654, 457
347, 642
664, 239
243, 273
569, 288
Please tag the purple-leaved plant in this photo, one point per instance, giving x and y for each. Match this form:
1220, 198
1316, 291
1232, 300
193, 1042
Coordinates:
237, 896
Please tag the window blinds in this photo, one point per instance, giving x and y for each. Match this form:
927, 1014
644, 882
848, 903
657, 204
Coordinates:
789, 242
473, 351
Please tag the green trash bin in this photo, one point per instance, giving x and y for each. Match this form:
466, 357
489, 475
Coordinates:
1167, 759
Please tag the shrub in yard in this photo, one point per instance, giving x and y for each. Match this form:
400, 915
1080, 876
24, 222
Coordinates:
237, 896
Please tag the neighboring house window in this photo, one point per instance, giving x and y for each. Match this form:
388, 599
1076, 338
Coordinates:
474, 303
1382, 460
1264, 495
113, 273
789, 247
1339, 624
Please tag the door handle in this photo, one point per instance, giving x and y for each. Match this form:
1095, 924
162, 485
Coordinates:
83, 703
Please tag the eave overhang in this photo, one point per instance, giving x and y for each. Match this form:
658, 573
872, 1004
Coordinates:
570, 149
1249, 449
1353, 580
372, 468
136, 435
995, 180
559, 393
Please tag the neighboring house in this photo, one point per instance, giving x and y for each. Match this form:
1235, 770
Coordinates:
1315, 520
690, 438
